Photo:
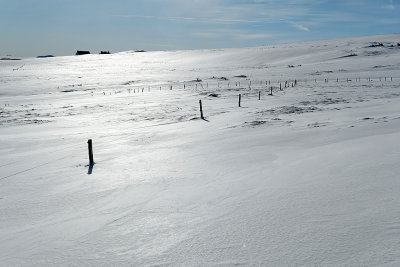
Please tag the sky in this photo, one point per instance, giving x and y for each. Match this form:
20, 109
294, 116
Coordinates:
60, 27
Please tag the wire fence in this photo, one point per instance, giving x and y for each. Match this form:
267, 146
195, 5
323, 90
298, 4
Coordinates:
252, 86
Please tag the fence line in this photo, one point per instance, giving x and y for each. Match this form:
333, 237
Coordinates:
186, 85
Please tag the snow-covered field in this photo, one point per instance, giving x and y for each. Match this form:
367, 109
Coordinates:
308, 176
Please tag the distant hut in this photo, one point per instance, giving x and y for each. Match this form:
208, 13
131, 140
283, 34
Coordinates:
105, 53
80, 52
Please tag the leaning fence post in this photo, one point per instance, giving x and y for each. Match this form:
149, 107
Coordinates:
201, 110
90, 148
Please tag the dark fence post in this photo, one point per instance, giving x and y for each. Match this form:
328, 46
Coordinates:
259, 95
201, 110
240, 98
90, 147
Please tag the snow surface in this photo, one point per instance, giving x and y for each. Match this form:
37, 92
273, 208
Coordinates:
308, 176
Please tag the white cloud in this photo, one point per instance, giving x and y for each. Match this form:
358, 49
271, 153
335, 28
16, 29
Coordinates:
307, 14
389, 7
206, 20
232, 34
232, 11
300, 27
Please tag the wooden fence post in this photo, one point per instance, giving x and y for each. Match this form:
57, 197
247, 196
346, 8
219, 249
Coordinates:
90, 148
201, 110
240, 98
259, 95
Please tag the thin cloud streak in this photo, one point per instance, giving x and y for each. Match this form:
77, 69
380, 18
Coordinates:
232, 34
300, 27
194, 19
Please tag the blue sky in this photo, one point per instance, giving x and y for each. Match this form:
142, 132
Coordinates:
60, 27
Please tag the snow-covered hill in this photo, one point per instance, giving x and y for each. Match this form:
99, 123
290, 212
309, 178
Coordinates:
308, 176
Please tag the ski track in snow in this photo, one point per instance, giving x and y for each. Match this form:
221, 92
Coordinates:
306, 176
